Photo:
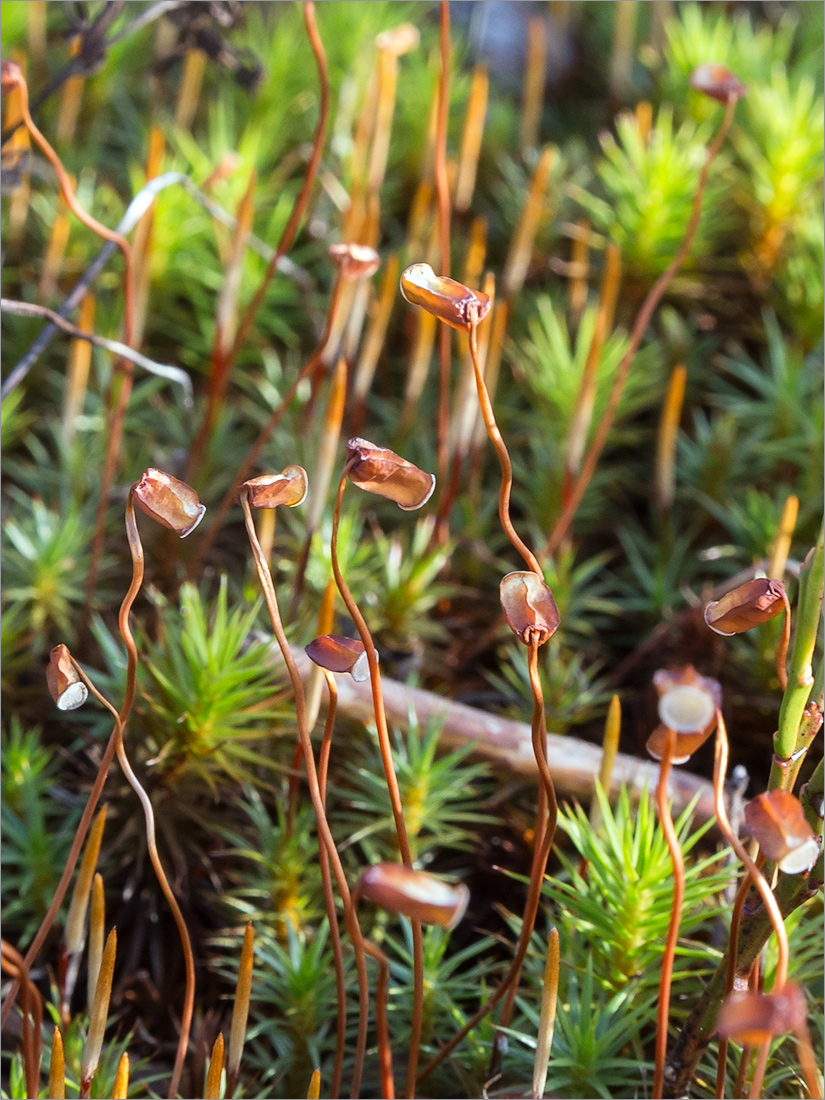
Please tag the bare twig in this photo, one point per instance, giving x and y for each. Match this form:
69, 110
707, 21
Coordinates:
174, 374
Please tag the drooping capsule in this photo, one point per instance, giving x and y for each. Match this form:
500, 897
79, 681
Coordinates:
688, 704
452, 302
529, 606
777, 821
338, 654
355, 261
269, 490
65, 684
414, 894
717, 81
745, 607
169, 501
381, 471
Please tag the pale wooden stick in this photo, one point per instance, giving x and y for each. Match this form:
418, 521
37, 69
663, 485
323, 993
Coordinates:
573, 763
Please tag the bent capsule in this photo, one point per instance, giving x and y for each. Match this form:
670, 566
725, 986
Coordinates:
65, 684
381, 471
414, 894
452, 302
269, 490
338, 654
169, 501
529, 606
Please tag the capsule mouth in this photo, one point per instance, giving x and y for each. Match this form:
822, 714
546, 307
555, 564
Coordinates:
73, 697
686, 709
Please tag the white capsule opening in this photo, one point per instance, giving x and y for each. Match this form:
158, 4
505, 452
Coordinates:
686, 709
73, 697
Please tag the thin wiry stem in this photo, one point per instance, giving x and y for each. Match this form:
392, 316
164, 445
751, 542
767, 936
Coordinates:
32, 1006
759, 1072
639, 328
351, 918
136, 550
730, 975
154, 856
547, 814
678, 864
136, 209
254, 453
503, 455
385, 748
291, 228
334, 931
758, 879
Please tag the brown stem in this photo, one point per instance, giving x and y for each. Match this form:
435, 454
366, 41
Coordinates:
381, 1028
545, 825
254, 453
68, 870
385, 748
642, 321
759, 1072
298, 209
719, 769
350, 916
329, 899
807, 1062
730, 974
503, 455
136, 550
443, 191
678, 864
154, 856
782, 651
32, 1013
528, 921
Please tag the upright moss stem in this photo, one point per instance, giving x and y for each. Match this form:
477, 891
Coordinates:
678, 864
443, 192
385, 748
800, 675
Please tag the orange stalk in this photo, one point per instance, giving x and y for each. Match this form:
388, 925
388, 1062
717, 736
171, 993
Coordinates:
535, 76
471, 138
664, 476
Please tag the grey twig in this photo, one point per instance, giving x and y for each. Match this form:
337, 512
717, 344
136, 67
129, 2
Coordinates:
174, 374
134, 212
